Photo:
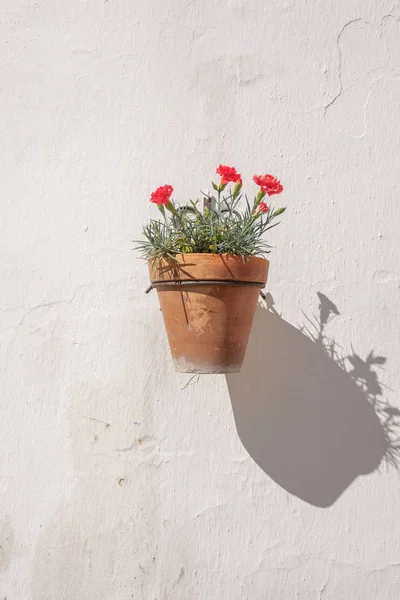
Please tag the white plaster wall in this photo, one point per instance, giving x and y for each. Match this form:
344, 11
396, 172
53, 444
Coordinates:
115, 483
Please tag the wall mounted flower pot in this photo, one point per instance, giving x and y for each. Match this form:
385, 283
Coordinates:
208, 302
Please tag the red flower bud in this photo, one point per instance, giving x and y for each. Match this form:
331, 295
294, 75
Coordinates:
261, 208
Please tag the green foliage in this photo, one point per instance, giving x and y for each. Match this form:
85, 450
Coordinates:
226, 229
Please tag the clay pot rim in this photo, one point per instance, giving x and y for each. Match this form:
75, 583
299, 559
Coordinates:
214, 255
197, 266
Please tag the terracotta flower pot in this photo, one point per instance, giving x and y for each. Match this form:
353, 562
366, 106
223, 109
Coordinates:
208, 303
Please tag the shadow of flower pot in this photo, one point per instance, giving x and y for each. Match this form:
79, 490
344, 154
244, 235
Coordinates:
309, 421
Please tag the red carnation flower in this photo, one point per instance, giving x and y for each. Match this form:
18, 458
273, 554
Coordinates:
162, 195
268, 184
228, 174
263, 208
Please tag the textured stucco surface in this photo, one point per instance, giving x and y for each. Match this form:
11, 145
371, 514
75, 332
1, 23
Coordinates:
279, 483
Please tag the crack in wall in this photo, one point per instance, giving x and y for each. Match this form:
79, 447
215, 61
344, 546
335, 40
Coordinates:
340, 63
46, 305
380, 69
